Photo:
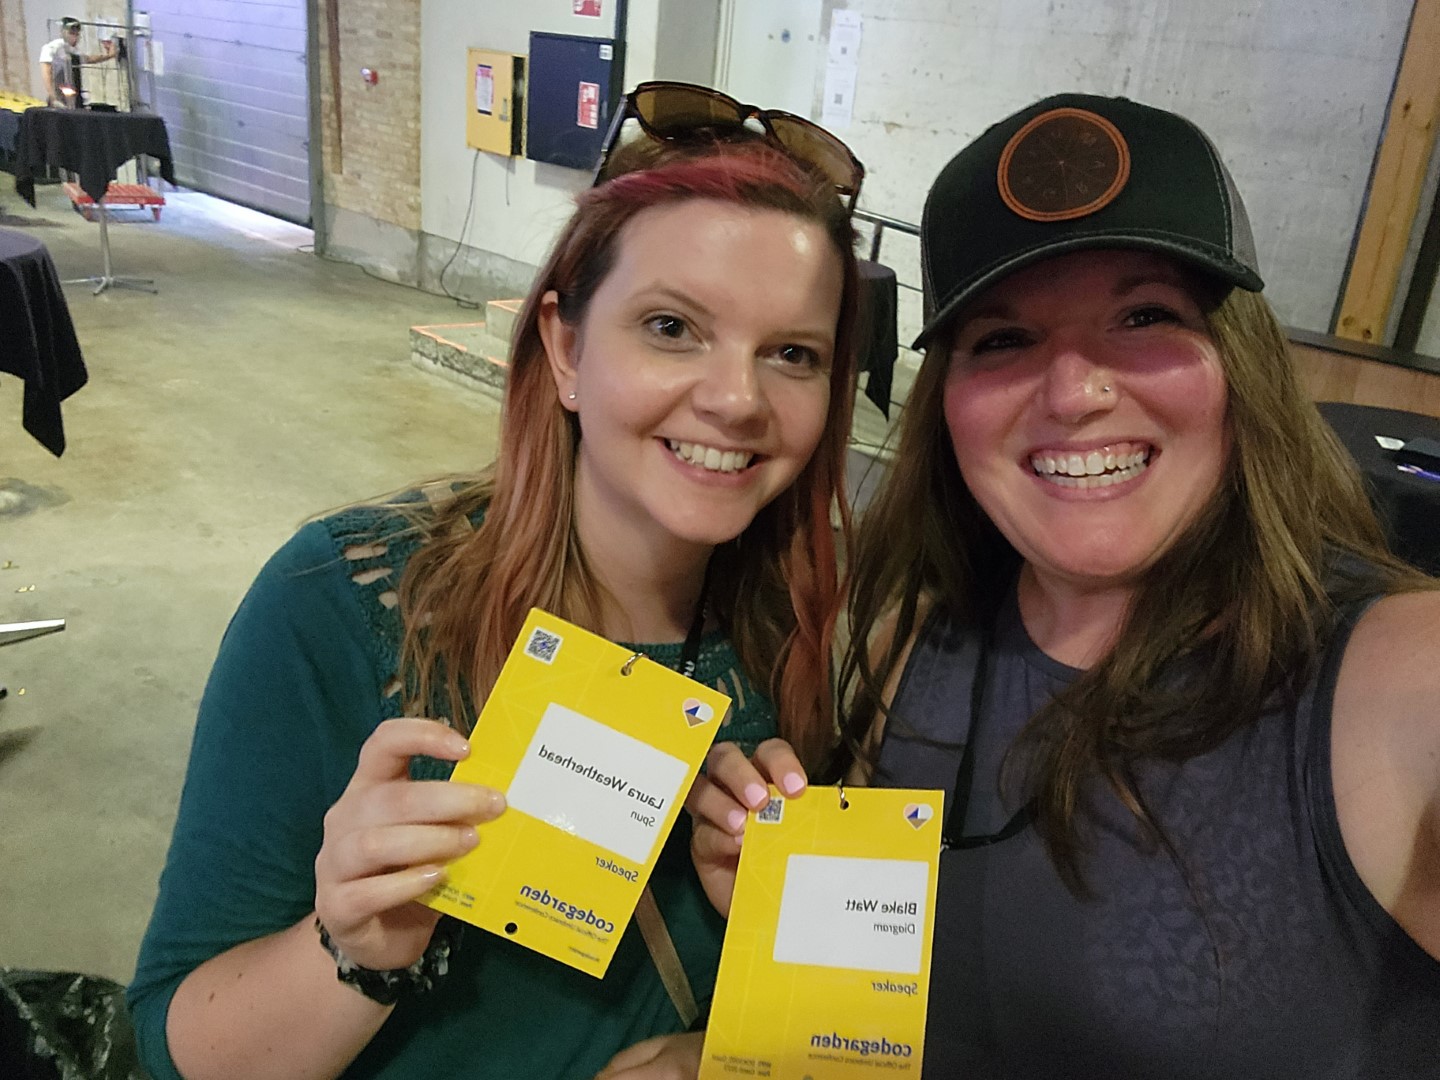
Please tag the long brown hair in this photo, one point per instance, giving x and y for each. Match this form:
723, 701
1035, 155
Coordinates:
465, 594
1249, 589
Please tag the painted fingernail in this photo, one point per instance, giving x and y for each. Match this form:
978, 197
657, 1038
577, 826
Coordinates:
756, 795
497, 801
792, 783
736, 820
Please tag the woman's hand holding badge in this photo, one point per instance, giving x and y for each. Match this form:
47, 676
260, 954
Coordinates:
720, 801
386, 841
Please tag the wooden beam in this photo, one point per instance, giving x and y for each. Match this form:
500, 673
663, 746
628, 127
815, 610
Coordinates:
332, 33
1394, 196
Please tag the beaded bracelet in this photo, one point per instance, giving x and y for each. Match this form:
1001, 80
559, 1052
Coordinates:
388, 987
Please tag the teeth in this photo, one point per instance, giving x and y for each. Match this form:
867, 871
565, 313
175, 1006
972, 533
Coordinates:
1097, 468
708, 457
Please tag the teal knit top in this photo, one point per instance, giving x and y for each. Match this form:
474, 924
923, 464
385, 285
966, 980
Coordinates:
306, 671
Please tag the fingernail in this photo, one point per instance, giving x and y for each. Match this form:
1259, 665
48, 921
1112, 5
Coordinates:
497, 801
462, 748
469, 837
736, 820
432, 873
756, 795
792, 783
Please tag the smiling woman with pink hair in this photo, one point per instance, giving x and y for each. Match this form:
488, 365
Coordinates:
675, 419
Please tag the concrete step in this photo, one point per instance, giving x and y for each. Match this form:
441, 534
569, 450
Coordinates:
500, 316
464, 352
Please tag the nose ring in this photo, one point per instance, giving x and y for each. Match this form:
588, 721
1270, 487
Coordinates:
1104, 389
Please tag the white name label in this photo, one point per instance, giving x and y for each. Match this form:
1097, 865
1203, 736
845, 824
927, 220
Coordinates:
861, 914
596, 783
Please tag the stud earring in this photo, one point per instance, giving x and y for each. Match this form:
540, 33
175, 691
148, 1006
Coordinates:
572, 394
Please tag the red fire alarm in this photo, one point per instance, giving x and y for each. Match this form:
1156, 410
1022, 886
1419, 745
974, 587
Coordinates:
370, 75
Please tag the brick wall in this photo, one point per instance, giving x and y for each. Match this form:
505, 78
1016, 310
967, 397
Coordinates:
372, 158
14, 51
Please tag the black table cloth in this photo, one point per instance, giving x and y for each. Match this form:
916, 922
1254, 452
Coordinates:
37, 339
876, 338
9, 133
93, 144
1408, 505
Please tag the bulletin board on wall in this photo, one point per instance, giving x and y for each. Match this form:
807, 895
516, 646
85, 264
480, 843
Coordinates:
573, 89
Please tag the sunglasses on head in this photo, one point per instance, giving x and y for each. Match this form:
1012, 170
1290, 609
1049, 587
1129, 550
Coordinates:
674, 111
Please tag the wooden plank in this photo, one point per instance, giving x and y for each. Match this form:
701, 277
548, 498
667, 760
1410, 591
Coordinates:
1332, 376
1394, 197
332, 42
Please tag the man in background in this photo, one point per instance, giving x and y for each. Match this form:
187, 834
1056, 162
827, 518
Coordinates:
60, 62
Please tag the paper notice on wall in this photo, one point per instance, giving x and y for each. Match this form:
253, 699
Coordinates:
587, 113
839, 96
845, 37
484, 89
841, 70
588, 7
157, 57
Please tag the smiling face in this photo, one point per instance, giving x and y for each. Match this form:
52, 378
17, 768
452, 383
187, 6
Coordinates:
1090, 485
701, 372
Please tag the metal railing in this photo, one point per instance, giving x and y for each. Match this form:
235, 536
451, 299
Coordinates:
881, 223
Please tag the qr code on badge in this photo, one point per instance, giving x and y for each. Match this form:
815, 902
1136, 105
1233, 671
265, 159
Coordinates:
773, 811
543, 645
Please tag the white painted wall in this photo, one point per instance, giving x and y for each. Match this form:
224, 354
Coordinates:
518, 204
1292, 91
772, 53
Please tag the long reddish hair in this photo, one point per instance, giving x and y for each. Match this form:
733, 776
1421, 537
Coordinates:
465, 594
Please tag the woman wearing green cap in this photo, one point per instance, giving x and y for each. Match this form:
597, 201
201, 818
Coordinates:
1124, 599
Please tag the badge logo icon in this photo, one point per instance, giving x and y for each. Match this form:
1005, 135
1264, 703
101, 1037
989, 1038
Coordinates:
697, 712
917, 814
1063, 164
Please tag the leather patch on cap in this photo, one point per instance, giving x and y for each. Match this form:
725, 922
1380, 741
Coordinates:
1063, 164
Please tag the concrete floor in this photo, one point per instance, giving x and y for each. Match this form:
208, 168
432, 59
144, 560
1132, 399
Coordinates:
261, 386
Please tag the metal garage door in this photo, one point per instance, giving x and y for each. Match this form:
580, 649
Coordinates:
234, 95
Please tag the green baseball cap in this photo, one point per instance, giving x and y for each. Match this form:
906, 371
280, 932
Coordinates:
1075, 172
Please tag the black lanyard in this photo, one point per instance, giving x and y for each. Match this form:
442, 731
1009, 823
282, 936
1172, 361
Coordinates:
953, 837
690, 651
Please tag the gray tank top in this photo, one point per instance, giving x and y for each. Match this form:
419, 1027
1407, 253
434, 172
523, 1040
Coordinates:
1272, 961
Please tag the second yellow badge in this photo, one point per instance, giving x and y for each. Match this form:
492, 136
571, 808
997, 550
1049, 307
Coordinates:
595, 749
826, 965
